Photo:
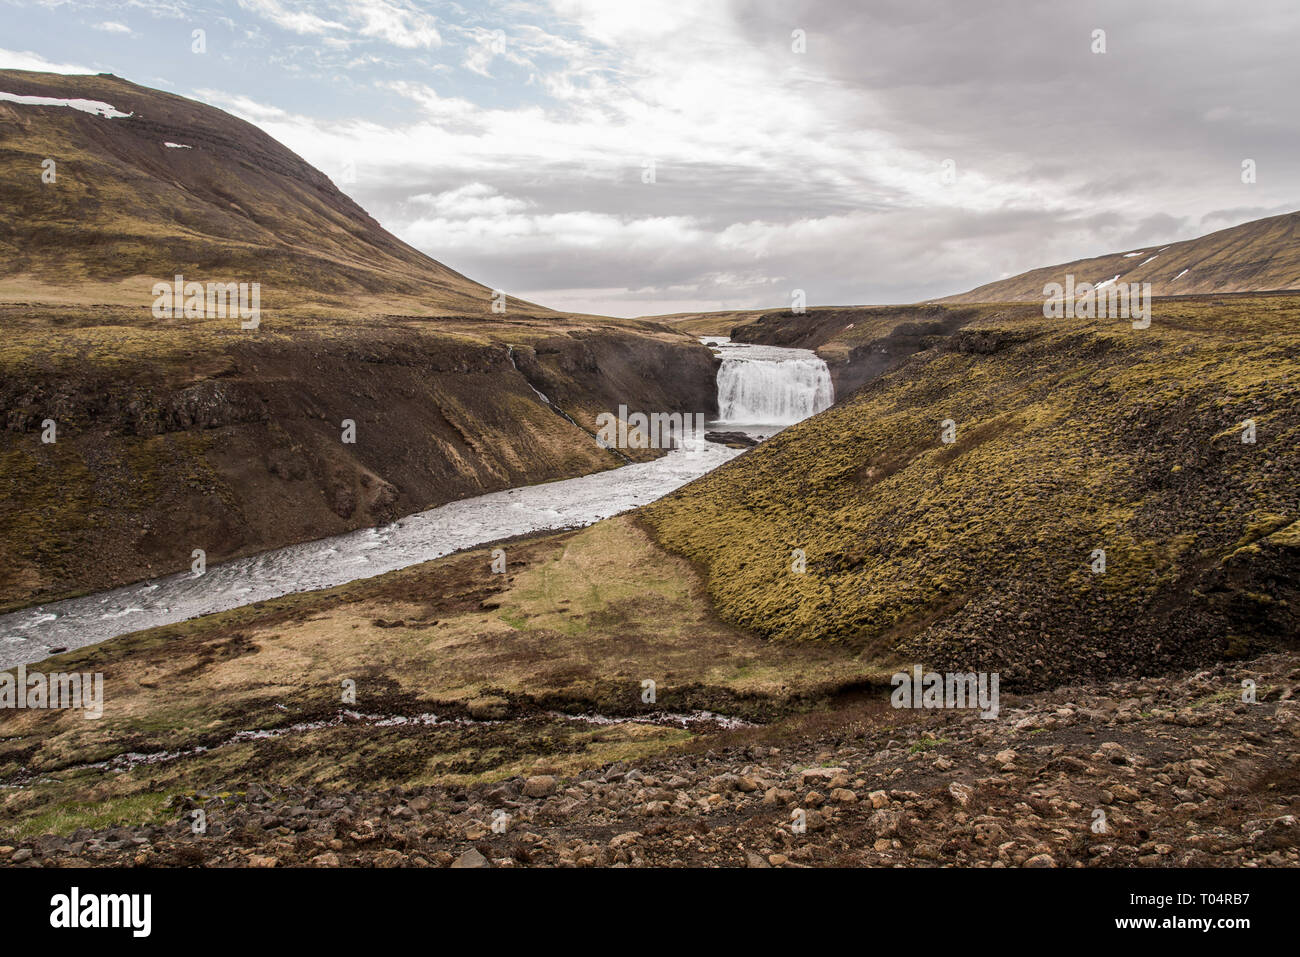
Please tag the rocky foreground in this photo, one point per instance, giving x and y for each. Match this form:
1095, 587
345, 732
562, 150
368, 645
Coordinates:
1173, 771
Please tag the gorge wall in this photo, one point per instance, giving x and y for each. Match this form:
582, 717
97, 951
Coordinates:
238, 446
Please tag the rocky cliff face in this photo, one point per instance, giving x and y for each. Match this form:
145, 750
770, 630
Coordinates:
239, 447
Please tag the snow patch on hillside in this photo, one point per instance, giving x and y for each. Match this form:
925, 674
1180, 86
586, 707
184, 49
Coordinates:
94, 107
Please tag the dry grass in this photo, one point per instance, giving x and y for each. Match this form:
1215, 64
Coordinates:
577, 624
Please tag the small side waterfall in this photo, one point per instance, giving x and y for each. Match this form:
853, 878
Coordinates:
766, 385
510, 354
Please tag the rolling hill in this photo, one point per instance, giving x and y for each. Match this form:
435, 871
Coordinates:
223, 202
1259, 256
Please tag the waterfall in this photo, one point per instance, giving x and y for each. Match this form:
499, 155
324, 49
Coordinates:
766, 385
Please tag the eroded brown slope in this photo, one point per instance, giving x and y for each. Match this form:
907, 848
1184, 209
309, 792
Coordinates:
125, 210
169, 439
1254, 257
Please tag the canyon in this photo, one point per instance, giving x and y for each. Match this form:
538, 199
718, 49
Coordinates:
430, 593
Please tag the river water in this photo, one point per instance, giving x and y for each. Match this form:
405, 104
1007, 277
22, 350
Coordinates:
30, 634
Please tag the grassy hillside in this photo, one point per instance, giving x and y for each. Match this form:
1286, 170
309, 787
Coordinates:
125, 210
1071, 436
1253, 257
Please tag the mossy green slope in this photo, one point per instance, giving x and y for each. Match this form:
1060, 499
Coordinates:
1071, 436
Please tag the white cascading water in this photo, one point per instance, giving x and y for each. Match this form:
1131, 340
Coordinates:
768, 385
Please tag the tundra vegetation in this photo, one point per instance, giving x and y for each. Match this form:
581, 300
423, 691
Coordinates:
1070, 437
916, 551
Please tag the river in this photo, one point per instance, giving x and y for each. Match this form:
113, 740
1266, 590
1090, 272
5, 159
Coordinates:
749, 373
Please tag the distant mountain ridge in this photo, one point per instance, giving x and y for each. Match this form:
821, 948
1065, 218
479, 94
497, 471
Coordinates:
131, 204
1259, 256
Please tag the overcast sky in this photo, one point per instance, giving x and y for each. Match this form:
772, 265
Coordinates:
512, 140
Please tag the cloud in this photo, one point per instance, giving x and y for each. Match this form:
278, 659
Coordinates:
112, 26
395, 22
295, 21
477, 200
27, 60
244, 107
915, 148
759, 182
